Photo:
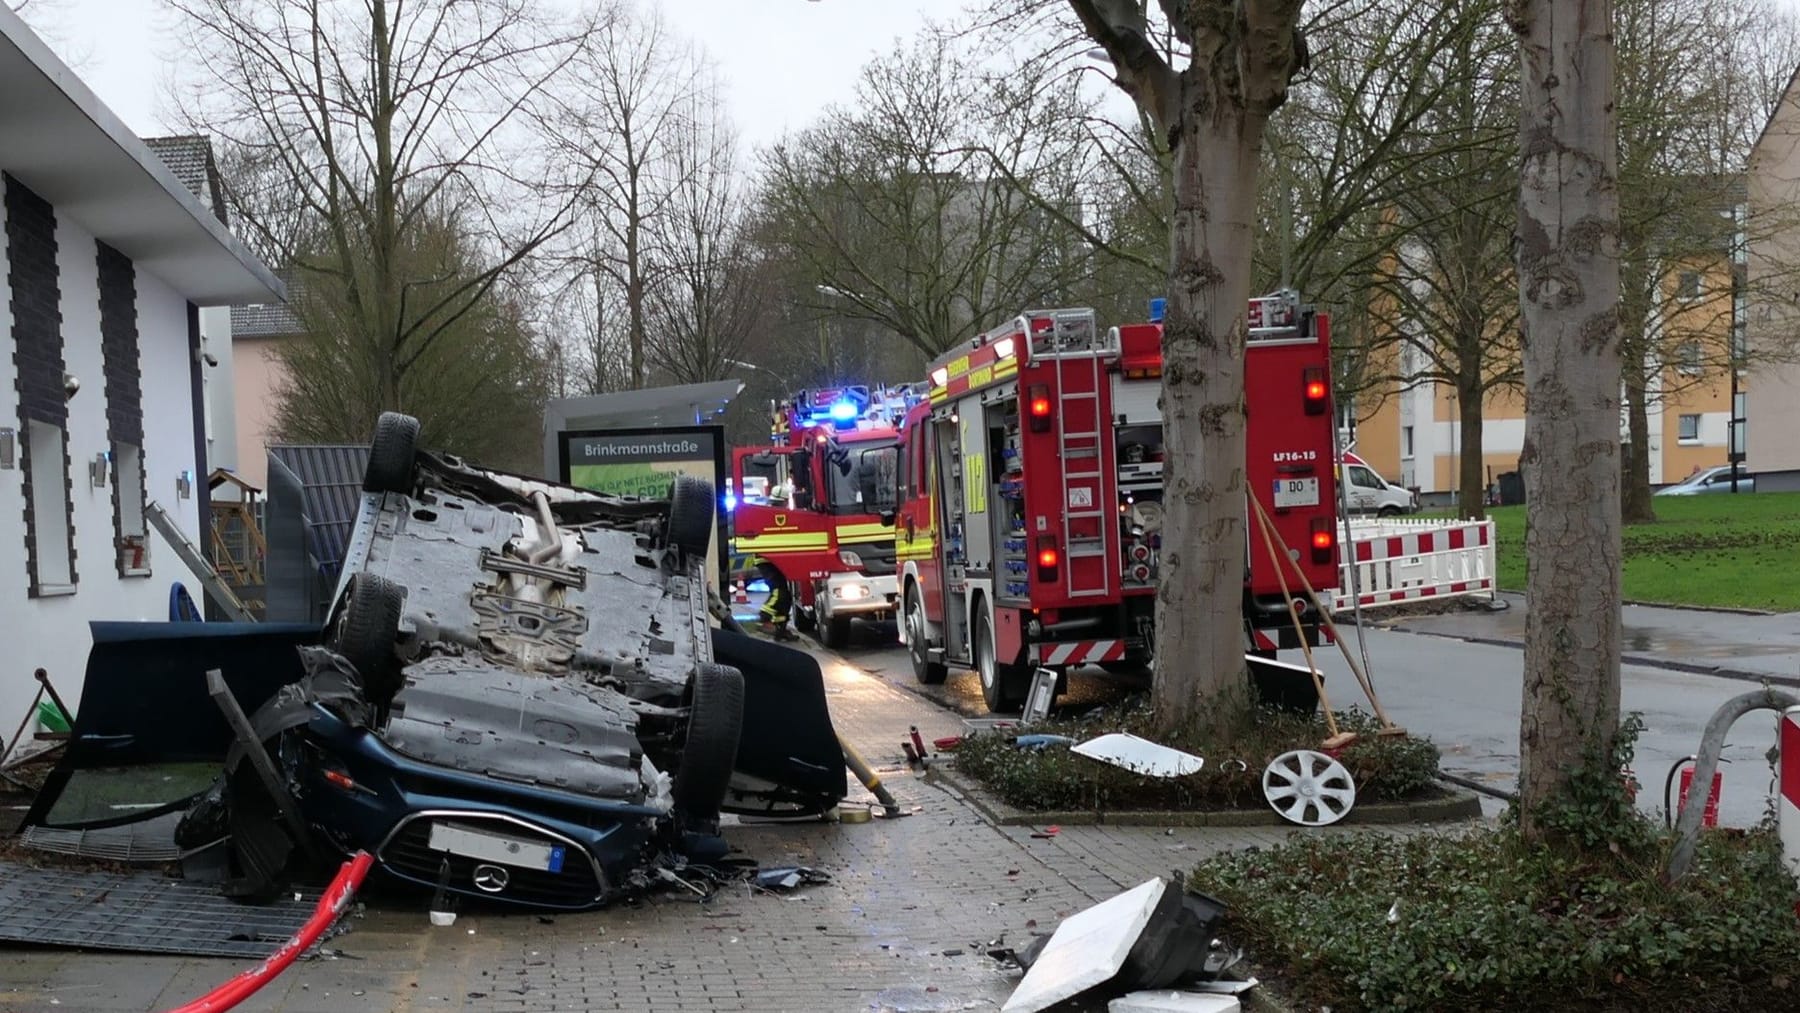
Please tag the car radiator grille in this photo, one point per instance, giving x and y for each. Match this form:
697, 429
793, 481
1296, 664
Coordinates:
409, 854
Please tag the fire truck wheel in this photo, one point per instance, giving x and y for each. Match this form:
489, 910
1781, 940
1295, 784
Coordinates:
691, 516
392, 454
928, 672
1002, 686
806, 620
834, 632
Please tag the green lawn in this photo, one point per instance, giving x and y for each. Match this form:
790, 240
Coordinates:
1729, 551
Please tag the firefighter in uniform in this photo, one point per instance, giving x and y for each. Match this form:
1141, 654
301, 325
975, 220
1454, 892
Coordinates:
775, 611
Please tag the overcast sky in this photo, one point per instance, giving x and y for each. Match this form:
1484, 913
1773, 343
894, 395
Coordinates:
783, 60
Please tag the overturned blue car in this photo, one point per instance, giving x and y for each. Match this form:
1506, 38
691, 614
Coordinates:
517, 696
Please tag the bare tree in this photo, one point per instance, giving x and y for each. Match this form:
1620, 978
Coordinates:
1443, 302
1696, 84
711, 293
908, 211
1568, 304
617, 127
1213, 108
363, 121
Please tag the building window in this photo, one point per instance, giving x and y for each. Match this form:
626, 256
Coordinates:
1688, 429
1406, 441
1688, 359
130, 521
51, 538
1687, 285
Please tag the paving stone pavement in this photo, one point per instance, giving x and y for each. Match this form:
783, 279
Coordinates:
903, 926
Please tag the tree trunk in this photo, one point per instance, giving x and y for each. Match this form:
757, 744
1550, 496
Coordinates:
1199, 671
1636, 506
1472, 500
1568, 301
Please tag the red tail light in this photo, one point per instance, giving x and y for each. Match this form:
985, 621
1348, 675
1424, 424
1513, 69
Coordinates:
1314, 379
1323, 537
1038, 406
1047, 557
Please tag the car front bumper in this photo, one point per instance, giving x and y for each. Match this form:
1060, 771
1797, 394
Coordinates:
854, 594
393, 802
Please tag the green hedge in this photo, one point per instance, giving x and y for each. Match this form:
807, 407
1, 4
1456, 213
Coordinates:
1385, 769
1482, 922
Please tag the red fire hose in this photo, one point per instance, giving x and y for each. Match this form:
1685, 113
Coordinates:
331, 906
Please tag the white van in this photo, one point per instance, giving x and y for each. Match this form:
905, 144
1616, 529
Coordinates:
1369, 493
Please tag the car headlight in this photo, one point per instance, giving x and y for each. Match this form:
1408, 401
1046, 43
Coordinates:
850, 559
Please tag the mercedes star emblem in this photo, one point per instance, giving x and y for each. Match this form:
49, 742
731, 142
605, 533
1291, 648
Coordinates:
490, 878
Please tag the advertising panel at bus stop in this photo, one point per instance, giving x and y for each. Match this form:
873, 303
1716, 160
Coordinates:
645, 462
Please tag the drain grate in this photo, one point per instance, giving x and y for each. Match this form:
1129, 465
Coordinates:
148, 841
140, 913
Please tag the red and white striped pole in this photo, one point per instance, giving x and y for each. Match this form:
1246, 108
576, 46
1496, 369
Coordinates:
1787, 745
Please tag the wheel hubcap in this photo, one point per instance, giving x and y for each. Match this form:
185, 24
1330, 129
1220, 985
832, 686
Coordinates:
985, 661
915, 627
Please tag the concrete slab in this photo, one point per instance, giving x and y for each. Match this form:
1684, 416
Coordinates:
1087, 949
1166, 1001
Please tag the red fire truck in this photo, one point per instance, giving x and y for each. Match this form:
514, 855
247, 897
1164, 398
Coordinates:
810, 505
1031, 494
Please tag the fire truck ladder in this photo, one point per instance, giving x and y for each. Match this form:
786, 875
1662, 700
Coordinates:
1082, 454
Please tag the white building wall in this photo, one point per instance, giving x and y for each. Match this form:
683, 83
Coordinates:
221, 403
52, 633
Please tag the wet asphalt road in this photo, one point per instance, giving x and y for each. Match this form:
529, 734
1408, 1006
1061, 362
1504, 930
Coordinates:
1463, 696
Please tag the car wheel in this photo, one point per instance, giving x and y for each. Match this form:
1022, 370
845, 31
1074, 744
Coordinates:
691, 515
1388, 511
367, 626
1003, 687
393, 455
708, 757
928, 672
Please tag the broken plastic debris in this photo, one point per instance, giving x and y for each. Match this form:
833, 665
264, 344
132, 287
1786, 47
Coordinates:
1040, 741
1127, 751
789, 877
443, 918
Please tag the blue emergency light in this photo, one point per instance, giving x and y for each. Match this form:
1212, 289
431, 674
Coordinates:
844, 411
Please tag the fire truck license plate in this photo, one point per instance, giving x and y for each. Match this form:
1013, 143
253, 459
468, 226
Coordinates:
1296, 492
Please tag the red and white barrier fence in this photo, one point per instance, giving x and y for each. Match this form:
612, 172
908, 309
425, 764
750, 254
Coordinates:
1405, 560
1787, 745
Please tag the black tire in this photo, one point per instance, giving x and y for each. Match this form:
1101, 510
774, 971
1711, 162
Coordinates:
805, 619
709, 755
1126, 668
393, 455
367, 626
691, 516
835, 632
1005, 688
928, 672
1388, 511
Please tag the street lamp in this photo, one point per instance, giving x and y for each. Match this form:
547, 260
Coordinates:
762, 369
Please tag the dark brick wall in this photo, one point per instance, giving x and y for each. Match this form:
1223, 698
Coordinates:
36, 303
119, 347
124, 381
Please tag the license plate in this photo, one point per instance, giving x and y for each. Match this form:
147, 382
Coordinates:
486, 846
1296, 492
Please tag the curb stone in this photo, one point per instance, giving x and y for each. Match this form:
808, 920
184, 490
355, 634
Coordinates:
1451, 805
1645, 660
